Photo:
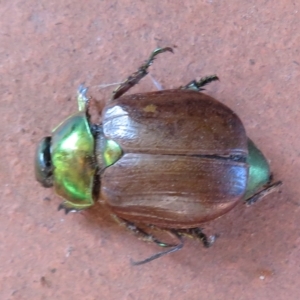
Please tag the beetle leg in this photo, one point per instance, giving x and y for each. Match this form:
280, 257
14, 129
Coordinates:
271, 187
199, 234
71, 207
67, 209
197, 85
160, 254
140, 233
138, 75
82, 99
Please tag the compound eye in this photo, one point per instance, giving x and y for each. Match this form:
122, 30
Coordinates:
43, 164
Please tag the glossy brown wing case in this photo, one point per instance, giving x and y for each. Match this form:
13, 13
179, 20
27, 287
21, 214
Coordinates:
169, 175
174, 122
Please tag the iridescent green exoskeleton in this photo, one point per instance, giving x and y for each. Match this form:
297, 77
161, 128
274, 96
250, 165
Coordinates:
172, 159
68, 162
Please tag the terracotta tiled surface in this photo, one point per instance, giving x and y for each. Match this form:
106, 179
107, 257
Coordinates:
47, 48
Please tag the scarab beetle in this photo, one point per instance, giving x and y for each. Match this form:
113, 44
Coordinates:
170, 159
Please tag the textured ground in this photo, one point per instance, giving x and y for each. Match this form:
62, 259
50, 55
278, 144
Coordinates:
47, 48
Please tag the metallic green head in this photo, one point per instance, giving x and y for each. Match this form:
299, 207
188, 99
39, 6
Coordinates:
67, 160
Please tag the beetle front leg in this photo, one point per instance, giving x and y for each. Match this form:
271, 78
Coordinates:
138, 75
270, 188
68, 207
197, 85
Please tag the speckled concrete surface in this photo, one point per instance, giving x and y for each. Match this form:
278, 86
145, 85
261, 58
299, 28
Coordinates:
47, 48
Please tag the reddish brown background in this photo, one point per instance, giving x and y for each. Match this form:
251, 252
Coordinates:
47, 48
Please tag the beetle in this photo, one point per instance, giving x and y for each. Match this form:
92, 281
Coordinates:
170, 159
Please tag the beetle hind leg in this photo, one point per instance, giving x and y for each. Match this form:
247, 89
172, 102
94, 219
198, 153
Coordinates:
140, 233
198, 233
162, 253
197, 85
147, 237
139, 74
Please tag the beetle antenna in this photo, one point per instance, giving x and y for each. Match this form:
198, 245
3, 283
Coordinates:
160, 254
